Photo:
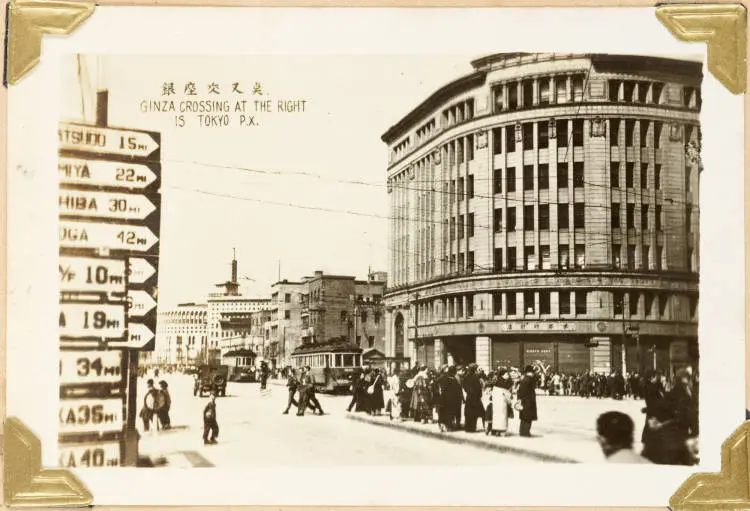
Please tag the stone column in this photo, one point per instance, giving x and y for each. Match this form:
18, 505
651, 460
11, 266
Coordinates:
483, 352
412, 353
438, 353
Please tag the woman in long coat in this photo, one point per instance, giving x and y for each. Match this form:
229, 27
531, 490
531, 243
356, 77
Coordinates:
527, 398
377, 402
473, 409
420, 399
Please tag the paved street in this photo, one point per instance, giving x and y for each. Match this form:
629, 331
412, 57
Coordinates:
254, 432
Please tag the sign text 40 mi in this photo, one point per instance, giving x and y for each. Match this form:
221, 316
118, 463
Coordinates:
90, 455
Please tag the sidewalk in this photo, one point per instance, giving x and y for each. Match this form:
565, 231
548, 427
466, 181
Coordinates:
568, 435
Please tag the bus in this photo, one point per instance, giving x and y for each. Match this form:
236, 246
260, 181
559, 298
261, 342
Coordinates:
332, 364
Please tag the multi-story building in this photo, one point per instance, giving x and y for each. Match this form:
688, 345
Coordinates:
545, 211
325, 307
181, 335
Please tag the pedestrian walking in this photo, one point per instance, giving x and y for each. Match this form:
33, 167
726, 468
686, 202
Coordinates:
615, 436
500, 404
375, 394
420, 399
358, 388
473, 409
527, 401
291, 386
210, 423
666, 442
149, 405
165, 400
653, 393
312, 400
305, 383
394, 401
264, 371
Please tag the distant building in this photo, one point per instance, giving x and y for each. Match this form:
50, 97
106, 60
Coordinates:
181, 334
324, 307
545, 211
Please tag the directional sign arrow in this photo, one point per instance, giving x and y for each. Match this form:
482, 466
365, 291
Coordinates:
87, 204
138, 336
78, 171
92, 275
91, 320
140, 303
135, 238
140, 270
114, 141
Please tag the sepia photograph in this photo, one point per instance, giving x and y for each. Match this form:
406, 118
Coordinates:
373, 260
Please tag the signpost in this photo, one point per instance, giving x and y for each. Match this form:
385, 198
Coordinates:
110, 207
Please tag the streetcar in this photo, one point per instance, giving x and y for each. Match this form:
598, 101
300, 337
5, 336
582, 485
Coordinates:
332, 364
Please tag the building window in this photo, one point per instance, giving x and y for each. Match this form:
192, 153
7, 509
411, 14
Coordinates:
453, 229
562, 133
544, 217
528, 177
644, 176
470, 225
470, 186
561, 92
364, 317
460, 263
628, 91
648, 304
564, 298
529, 305
469, 306
663, 302
460, 189
656, 90
581, 299
370, 341
498, 220
580, 256
693, 302
579, 216
543, 133
657, 218
498, 266
510, 139
376, 318
511, 223
631, 257
577, 132
615, 215
618, 303
544, 253
510, 303
629, 170
510, 179
529, 258
528, 218
630, 216
616, 256
498, 181
563, 256
645, 249
528, 135
562, 175
512, 261
344, 316
287, 298
642, 91
658, 256
497, 303
614, 132
470, 148
563, 216
528, 93
629, 132
578, 174
543, 177
578, 88
613, 87
544, 302
544, 93
614, 174
687, 96
497, 141
644, 132
470, 262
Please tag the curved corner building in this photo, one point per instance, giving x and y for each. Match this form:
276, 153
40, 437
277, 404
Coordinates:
545, 211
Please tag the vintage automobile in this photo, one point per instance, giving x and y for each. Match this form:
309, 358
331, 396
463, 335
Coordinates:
211, 378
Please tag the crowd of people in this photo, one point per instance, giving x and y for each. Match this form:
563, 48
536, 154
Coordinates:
463, 397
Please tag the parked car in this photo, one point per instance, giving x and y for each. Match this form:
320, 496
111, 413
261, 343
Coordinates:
243, 374
211, 378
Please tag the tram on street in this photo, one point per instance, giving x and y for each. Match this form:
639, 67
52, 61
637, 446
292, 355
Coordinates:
332, 364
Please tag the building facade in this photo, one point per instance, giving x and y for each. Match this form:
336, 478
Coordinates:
545, 211
181, 335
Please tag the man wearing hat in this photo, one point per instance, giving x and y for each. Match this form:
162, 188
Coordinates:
527, 400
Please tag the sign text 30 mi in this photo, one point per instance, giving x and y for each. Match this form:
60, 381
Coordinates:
105, 205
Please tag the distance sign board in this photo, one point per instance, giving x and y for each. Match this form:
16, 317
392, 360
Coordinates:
110, 205
92, 275
109, 174
90, 455
134, 238
90, 415
109, 141
104, 321
86, 367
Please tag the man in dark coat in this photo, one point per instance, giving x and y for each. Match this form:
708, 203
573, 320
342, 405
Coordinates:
527, 397
666, 441
210, 425
359, 390
311, 400
291, 385
473, 409
653, 394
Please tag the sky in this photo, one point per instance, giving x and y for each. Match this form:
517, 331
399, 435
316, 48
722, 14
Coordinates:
260, 189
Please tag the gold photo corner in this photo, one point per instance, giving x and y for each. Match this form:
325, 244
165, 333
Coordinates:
722, 27
28, 20
26, 483
729, 489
